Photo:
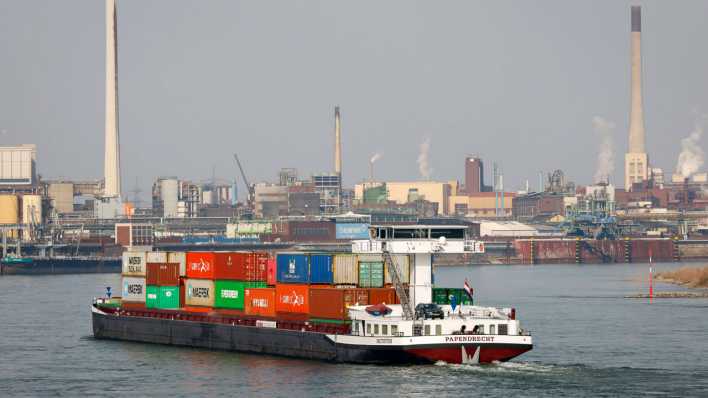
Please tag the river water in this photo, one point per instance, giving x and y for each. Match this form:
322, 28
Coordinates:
588, 341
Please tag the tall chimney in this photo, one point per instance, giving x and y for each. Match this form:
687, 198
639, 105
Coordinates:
636, 159
112, 148
337, 142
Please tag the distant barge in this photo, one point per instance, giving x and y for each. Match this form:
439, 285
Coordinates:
59, 265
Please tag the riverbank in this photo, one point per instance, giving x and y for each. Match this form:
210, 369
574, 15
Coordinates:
685, 276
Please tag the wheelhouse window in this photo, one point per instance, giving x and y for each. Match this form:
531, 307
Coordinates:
438, 330
503, 329
427, 330
384, 330
394, 330
448, 233
368, 328
492, 329
376, 329
410, 233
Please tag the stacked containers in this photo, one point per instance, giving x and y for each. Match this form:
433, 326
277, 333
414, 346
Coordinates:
133, 284
199, 284
162, 280
371, 271
345, 269
327, 304
260, 302
292, 289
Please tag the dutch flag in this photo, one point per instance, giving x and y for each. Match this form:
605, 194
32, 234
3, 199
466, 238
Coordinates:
468, 290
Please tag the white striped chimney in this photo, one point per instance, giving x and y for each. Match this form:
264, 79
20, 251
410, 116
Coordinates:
112, 144
337, 142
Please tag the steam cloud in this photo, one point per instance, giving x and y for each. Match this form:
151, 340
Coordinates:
423, 161
376, 157
691, 157
606, 157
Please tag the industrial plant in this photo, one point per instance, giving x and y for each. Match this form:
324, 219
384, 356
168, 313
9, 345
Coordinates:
48, 216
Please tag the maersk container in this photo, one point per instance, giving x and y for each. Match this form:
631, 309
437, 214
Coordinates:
199, 292
133, 289
134, 263
156, 257
321, 269
293, 268
371, 274
229, 294
345, 269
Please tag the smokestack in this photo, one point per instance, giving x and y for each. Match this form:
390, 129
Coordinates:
373, 160
636, 159
337, 142
112, 148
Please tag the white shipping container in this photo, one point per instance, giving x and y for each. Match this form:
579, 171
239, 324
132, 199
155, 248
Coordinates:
199, 292
156, 257
404, 268
181, 259
133, 289
134, 263
345, 269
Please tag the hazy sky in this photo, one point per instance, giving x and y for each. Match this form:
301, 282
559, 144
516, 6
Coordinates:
515, 82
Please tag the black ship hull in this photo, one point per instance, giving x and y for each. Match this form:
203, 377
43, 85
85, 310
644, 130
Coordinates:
48, 266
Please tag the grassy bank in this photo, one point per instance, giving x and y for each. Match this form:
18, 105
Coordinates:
686, 276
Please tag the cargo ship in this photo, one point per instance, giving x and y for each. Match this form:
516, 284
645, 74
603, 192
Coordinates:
58, 265
376, 305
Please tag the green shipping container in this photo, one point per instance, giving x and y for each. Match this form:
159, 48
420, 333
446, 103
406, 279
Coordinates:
256, 285
442, 296
229, 294
168, 297
371, 274
151, 295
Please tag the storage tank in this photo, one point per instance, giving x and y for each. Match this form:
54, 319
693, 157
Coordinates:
31, 209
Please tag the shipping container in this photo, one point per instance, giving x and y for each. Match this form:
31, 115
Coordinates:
383, 295
321, 269
200, 265
371, 274
444, 296
260, 302
230, 266
271, 271
402, 261
168, 297
199, 292
292, 268
151, 293
133, 289
345, 269
292, 298
162, 274
258, 267
229, 294
255, 284
332, 303
179, 258
134, 263
156, 257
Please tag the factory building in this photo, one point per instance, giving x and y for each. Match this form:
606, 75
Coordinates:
538, 205
18, 167
436, 192
482, 204
329, 186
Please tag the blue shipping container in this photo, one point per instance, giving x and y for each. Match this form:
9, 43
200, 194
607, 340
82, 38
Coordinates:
321, 269
292, 268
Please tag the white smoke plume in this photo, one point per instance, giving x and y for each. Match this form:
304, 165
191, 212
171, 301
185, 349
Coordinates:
606, 157
691, 157
423, 161
376, 157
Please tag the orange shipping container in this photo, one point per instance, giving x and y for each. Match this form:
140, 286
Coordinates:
332, 303
260, 302
383, 295
292, 298
200, 265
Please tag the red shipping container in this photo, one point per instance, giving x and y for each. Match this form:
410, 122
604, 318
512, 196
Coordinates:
271, 272
383, 295
260, 267
200, 265
162, 274
332, 303
292, 298
260, 302
230, 266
